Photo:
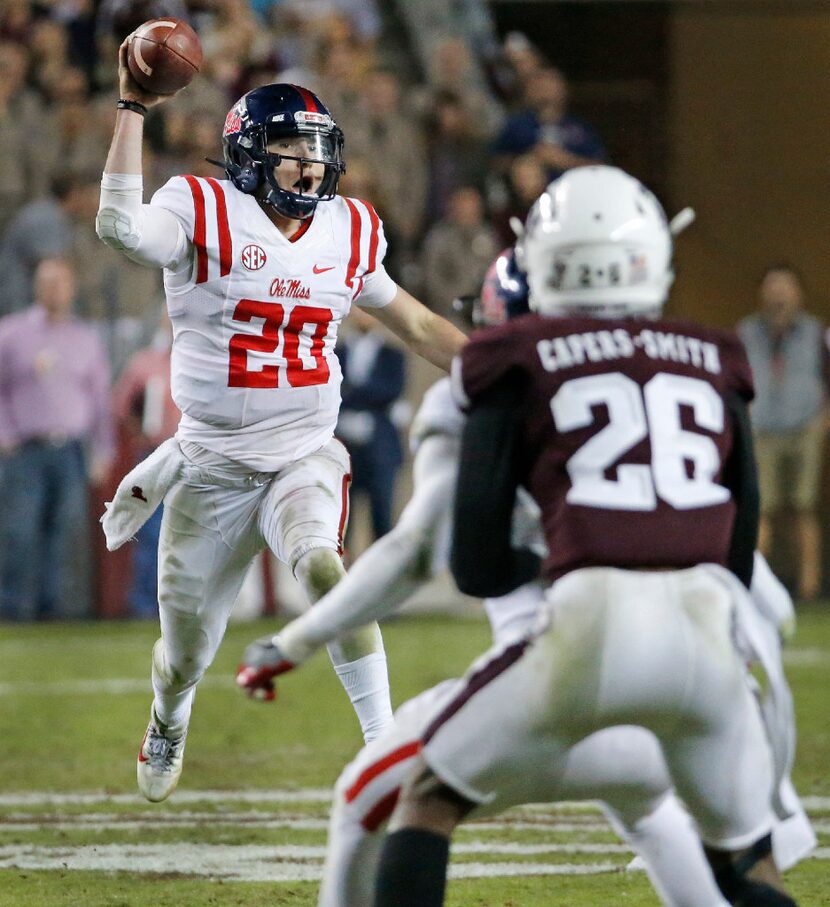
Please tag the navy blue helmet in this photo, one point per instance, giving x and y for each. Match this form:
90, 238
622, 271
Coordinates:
504, 292
298, 127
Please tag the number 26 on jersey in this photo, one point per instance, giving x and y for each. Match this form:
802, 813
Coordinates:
684, 463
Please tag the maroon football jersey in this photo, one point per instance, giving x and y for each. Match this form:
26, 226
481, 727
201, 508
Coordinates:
624, 435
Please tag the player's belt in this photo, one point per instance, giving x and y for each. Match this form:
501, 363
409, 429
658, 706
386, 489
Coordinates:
201, 475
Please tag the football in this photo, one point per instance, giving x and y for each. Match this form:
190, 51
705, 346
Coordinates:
164, 55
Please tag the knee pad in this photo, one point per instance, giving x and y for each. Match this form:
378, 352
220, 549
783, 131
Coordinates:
175, 679
318, 571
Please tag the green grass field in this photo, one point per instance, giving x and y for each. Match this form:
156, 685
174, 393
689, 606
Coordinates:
74, 701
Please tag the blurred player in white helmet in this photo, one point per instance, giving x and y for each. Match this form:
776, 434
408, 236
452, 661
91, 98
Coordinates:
623, 765
632, 435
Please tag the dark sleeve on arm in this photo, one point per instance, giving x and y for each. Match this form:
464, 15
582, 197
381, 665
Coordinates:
740, 476
483, 562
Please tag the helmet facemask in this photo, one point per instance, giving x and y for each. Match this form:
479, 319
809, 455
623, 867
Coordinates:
301, 168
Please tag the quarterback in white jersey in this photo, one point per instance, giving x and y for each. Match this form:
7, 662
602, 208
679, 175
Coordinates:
259, 271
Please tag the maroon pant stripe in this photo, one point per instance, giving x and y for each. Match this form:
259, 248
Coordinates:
476, 682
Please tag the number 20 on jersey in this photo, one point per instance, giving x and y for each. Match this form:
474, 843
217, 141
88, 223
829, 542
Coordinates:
304, 321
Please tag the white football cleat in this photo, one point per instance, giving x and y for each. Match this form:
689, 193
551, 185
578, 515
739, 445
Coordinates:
160, 759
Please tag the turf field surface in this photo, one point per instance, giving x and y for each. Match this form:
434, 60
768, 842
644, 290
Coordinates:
247, 825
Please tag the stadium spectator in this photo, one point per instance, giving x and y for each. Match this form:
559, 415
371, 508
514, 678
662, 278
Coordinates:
361, 18
341, 68
511, 70
54, 400
545, 127
457, 251
374, 373
112, 293
16, 21
391, 138
789, 361
40, 229
457, 154
74, 138
145, 415
452, 70
21, 133
526, 182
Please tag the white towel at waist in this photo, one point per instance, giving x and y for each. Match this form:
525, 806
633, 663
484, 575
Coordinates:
140, 492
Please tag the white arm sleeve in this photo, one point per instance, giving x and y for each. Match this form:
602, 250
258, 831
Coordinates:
395, 566
146, 234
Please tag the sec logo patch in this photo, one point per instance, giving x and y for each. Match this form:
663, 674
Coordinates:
253, 257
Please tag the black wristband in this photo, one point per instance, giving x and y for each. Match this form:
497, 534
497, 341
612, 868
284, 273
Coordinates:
135, 106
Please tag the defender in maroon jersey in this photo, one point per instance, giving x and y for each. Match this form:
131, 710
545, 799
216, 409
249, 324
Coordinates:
632, 434
624, 430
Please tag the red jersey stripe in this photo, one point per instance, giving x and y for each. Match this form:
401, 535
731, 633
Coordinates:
354, 261
225, 242
407, 751
308, 99
374, 238
199, 229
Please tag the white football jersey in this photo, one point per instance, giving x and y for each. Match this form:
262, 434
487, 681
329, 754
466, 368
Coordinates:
255, 318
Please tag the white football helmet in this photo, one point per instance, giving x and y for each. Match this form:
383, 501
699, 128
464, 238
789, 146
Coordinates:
596, 242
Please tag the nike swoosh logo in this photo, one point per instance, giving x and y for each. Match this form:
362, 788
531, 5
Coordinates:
319, 270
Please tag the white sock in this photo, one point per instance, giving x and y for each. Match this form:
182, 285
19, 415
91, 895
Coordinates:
366, 682
793, 838
352, 857
667, 841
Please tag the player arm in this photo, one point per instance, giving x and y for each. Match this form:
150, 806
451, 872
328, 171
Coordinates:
393, 568
741, 478
425, 333
147, 234
483, 561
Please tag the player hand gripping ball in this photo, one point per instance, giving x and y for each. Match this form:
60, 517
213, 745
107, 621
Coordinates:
262, 661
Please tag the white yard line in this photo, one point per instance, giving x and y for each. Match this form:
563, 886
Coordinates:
806, 657
250, 863
312, 795
79, 798
110, 686
296, 824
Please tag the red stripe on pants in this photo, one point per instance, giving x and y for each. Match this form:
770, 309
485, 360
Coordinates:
407, 751
381, 811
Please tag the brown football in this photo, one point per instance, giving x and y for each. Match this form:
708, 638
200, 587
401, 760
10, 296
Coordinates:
164, 55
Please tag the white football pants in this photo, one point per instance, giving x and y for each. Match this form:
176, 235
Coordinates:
619, 647
215, 521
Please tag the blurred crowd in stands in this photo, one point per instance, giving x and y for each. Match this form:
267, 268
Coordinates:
449, 149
